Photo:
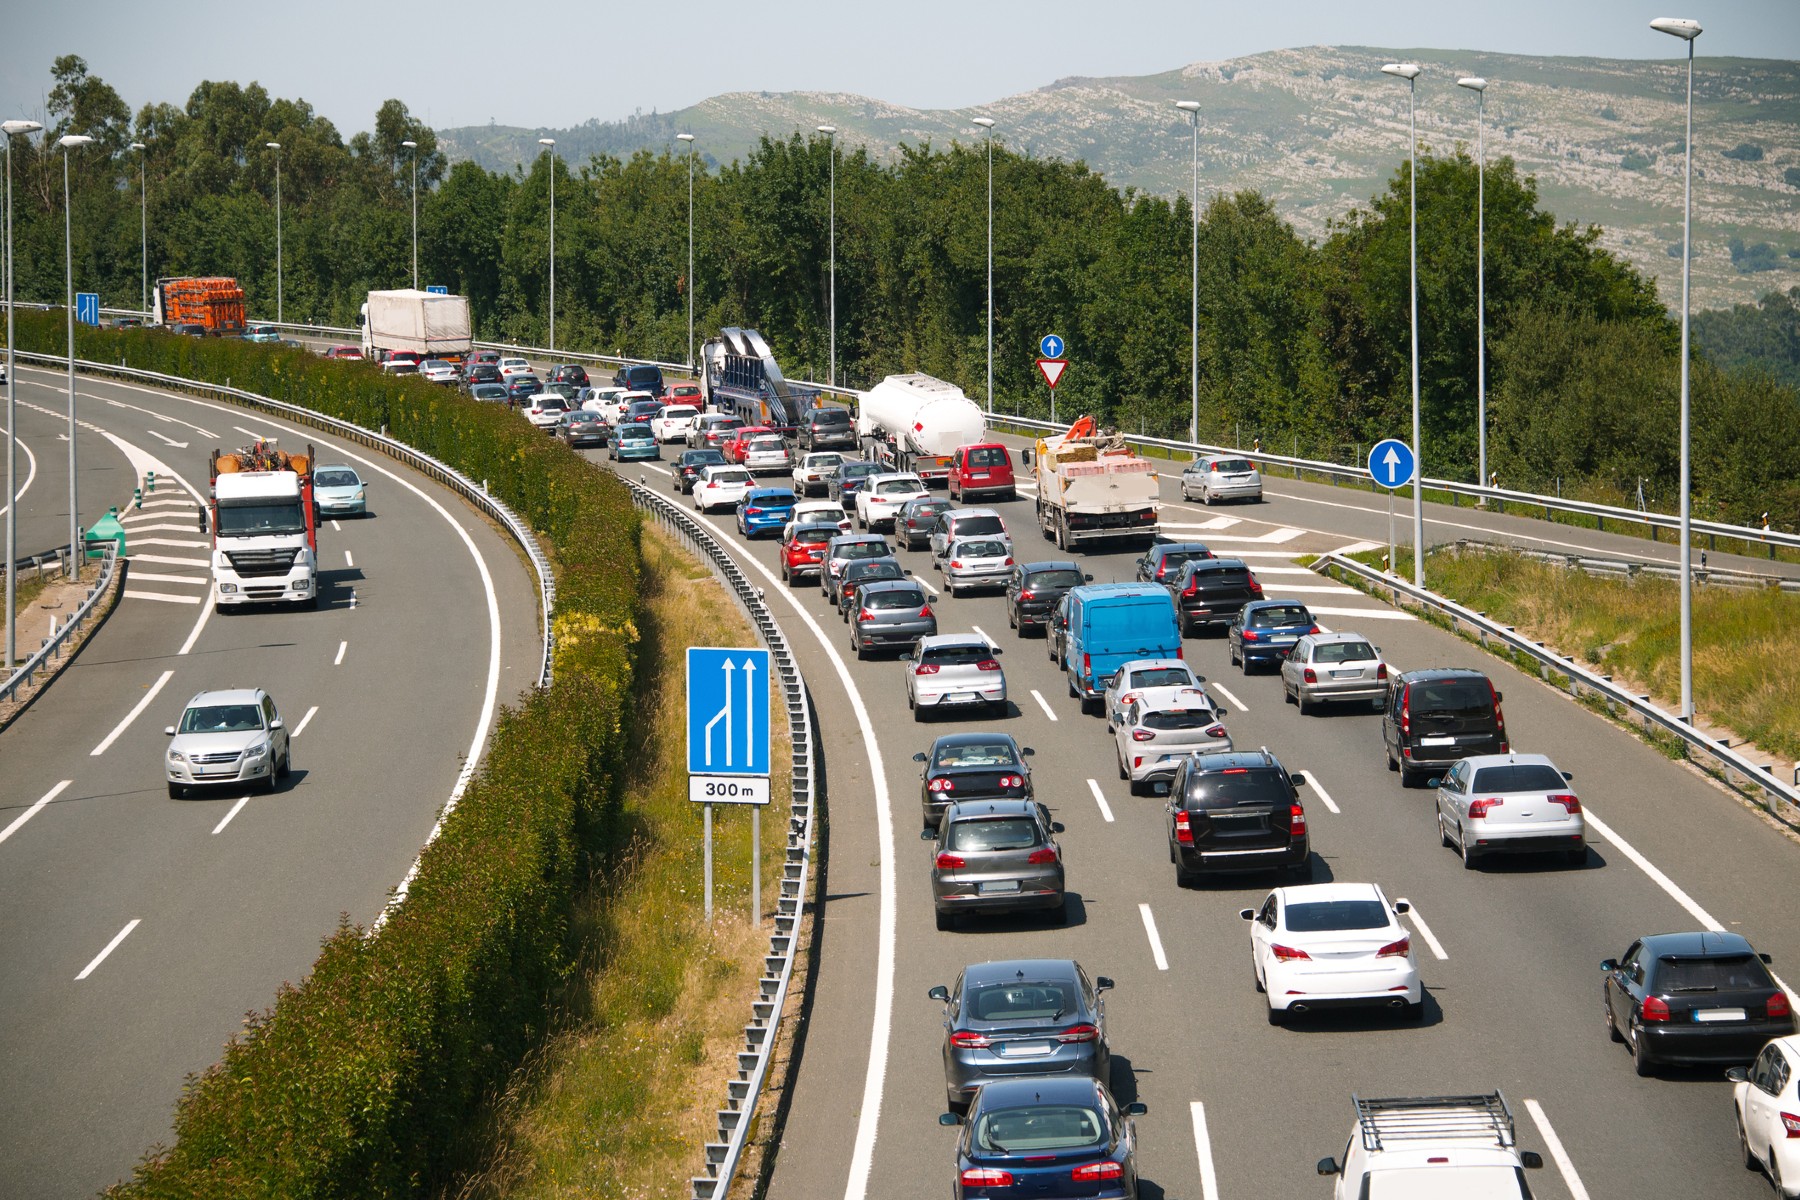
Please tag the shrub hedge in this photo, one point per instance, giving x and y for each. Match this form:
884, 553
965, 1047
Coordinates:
362, 1080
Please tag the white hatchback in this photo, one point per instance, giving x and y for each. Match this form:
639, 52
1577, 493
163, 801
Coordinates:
820, 512
881, 496
1510, 804
673, 423
1147, 673
1158, 727
949, 671
721, 487
1333, 945
545, 409
1766, 1095
766, 453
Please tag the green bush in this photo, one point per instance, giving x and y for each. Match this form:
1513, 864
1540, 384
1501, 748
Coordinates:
363, 1079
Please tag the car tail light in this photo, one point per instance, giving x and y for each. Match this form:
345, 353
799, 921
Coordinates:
1128, 699
1399, 949
964, 1039
925, 612
1161, 567
1184, 830
1499, 718
1481, 808
1079, 1033
941, 785
1296, 820
1255, 587
1008, 562
1779, 1006
1381, 670
1655, 1010
1193, 587
1250, 635
926, 669
1310, 675
1406, 712
955, 565
947, 861
1215, 730
987, 664
1027, 595
1042, 857
1142, 735
1569, 803
986, 1177
863, 614
1314, 629
1288, 953
1791, 1123
1012, 781
1096, 1172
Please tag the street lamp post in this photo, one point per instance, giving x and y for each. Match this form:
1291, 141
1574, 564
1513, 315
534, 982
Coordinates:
1410, 73
68, 142
414, 147
1192, 108
144, 220
688, 138
1687, 31
551, 143
1478, 85
987, 123
12, 129
276, 147
830, 132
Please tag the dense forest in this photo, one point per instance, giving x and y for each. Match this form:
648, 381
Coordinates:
1302, 344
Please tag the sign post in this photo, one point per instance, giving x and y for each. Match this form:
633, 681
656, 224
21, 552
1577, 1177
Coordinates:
87, 307
728, 746
1391, 465
1051, 364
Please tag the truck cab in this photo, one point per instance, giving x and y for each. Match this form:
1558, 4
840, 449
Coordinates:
1420, 1146
264, 528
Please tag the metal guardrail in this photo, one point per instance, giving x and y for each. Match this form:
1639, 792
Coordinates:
53, 645
1731, 763
423, 463
738, 1116
1632, 568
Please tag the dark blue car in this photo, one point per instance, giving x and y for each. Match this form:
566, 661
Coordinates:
765, 510
1048, 1138
1264, 631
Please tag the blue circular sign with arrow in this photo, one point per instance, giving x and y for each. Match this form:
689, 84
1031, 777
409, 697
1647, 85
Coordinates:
1391, 463
1051, 346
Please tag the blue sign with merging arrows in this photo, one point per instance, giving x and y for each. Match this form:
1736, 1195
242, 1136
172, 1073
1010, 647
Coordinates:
87, 307
728, 711
1391, 463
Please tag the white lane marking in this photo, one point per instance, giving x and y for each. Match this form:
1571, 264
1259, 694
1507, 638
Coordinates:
662, 470
1375, 614
158, 416
1559, 1155
1209, 1178
143, 463
1043, 704
170, 502
261, 437
921, 582
110, 947
30, 474
178, 543
1312, 777
339, 660
1437, 947
1105, 808
1649, 868
146, 576
301, 727
134, 594
168, 561
35, 809
132, 520
235, 809
983, 635
1156, 947
335, 527
1218, 687
1261, 571
1274, 537
1311, 589
137, 710
349, 560
1357, 548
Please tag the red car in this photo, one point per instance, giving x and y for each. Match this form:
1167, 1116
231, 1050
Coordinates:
740, 439
982, 469
803, 550
348, 352
685, 393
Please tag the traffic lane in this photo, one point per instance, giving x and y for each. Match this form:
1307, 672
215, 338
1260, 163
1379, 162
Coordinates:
104, 477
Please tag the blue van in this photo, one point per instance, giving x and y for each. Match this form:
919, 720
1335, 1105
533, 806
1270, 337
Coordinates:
1111, 624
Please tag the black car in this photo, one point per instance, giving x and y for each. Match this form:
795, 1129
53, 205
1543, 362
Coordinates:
691, 463
643, 410
492, 392
522, 387
188, 329
1035, 589
1211, 591
482, 373
1236, 812
861, 571
1690, 999
1056, 633
569, 373
583, 427
1435, 716
1164, 560
971, 766
916, 519
639, 377
827, 429
848, 477
1264, 631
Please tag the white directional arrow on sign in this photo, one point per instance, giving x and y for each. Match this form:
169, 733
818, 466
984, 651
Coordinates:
1392, 463
749, 706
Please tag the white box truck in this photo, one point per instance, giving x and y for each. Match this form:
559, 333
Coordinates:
1092, 486
428, 324
918, 422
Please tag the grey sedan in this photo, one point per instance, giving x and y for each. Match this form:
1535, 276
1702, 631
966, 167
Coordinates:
1023, 1017
1326, 667
995, 856
1221, 477
889, 613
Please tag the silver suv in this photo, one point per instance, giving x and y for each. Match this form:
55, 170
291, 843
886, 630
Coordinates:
954, 670
996, 856
227, 737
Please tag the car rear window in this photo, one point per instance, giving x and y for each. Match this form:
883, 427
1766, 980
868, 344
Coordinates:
1331, 652
995, 833
889, 487
976, 754
955, 656
1287, 614
1519, 777
858, 469
864, 550
1174, 559
895, 599
1054, 579
767, 443
831, 416
1326, 915
730, 476
987, 456
982, 549
815, 534
1160, 677
1177, 718
1450, 695
972, 526
1227, 789
1019, 1001
1232, 466
1208, 576
1741, 971
1039, 1127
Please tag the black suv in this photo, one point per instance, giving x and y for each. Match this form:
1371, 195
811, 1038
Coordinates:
1211, 591
827, 429
570, 373
1165, 559
1236, 812
1035, 589
639, 377
1436, 716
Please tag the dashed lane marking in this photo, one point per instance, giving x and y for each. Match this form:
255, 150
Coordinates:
1105, 808
1220, 688
35, 809
1044, 704
137, 711
1156, 946
110, 947
166, 598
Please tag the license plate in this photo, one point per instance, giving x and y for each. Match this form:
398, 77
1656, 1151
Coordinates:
962, 698
998, 885
1437, 741
1346, 674
1718, 1014
1024, 1049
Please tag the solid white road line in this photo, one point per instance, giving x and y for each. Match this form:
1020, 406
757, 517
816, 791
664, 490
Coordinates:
1437, 947
110, 947
1312, 589
920, 580
43, 800
339, 660
132, 531
301, 727
1043, 704
1647, 867
1312, 777
983, 635
168, 561
1375, 614
1565, 1164
195, 580
122, 726
30, 474
1209, 1178
349, 560
1220, 688
1105, 808
1156, 949
134, 594
235, 809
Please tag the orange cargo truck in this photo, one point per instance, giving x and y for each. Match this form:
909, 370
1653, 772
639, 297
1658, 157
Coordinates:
216, 304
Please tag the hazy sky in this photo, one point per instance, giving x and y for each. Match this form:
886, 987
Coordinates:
560, 62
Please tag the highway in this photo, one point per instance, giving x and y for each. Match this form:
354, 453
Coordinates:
138, 930
1237, 1108
105, 475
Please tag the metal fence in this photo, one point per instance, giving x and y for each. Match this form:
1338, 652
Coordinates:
1631, 568
52, 646
738, 1117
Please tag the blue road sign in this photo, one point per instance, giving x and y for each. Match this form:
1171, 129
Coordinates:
437, 289
728, 711
1391, 463
1051, 346
87, 307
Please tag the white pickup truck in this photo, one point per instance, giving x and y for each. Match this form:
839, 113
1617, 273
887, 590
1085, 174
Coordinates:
1432, 1148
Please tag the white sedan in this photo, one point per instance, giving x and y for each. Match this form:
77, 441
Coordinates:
1510, 804
545, 409
514, 366
721, 487
673, 423
820, 512
437, 371
1333, 945
1766, 1095
881, 496
813, 471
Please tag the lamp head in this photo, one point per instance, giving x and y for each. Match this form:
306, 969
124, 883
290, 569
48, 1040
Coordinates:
410, 145
15, 127
1679, 27
684, 137
1474, 83
546, 141
273, 145
1192, 106
70, 141
137, 146
827, 130
1406, 71
985, 122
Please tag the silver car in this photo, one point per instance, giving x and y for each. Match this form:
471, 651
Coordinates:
1140, 673
975, 562
1221, 477
769, 453
1026, 1017
813, 471
845, 549
227, 737
1509, 804
338, 490
1326, 667
889, 612
951, 671
967, 522
995, 856
1160, 727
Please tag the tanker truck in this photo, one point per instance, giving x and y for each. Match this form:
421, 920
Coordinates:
265, 537
918, 422
1092, 486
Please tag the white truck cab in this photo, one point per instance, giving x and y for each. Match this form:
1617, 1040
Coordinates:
1432, 1148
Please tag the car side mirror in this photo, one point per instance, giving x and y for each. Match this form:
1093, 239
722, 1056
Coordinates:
1057, 827
928, 835
1766, 958
203, 520
1136, 1109
1299, 778
1403, 905
1104, 983
949, 1119
1327, 1166
1025, 457
1531, 1159
940, 992
1028, 752
919, 757
275, 724
1499, 696
1569, 776
1435, 781
168, 731
1738, 1074
1609, 964
1249, 914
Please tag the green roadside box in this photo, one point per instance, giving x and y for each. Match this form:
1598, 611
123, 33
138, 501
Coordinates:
106, 529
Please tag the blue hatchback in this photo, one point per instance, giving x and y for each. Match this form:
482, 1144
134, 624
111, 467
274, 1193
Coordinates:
634, 441
1046, 1137
1264, 631
765, 510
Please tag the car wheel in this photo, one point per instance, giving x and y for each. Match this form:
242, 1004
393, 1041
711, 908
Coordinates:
1302, 703
917, 712
1012, 617
1123, 773
1277, 1016
1302, 872
1444, 834
287, 763
1392, 763
945, 921
1468, 855
1231, 651
1414, 1012
1206, 497
1059, 916
1640, 1061
268, 781
1256, 979
1183, 877
1073, 693
1133, 786
176, 791
1612, 1026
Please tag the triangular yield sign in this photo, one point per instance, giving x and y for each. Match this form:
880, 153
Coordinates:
1052, 369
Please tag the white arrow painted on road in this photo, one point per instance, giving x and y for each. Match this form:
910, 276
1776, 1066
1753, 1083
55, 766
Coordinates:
1392, 462
167, 441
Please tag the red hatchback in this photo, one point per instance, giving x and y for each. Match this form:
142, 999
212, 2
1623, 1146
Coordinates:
980, 470
803, 550
739, 440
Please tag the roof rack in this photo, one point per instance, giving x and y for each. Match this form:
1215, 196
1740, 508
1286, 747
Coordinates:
1418, 1118
1268, 759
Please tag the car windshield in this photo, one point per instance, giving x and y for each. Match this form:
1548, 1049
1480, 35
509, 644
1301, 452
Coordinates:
1231, 466
222, 718
863, 550
1160, 677
897, 598
1284, 614
831, 416
1324, 916
981, 549
1036, 1001
890, 487
732, 477
976, 754
336, 478
1177, 718
1451, 696
1058, 579
956, 656
1519, 777
1729, 973
1336, 652
244, 520
967, 526
634, 431
1230, 788
995, 833
1039, 1127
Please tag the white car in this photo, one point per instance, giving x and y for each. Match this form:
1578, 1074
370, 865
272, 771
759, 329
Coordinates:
673, 423
820, 512
1158, 727
514, 366
973, 562
437, 371
544, 410
967, 522
721, 487
1146, 673
603, 400
1767, 1099
813, 471
1432, 1146
949, 671
227, 737
1323, 946
881, 496
1510, 804
766, 453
